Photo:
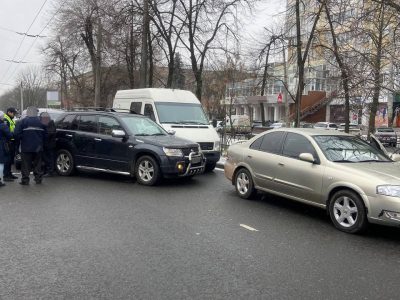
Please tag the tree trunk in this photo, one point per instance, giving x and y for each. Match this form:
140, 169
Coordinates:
144, 56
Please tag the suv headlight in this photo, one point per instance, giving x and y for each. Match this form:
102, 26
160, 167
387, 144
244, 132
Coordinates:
173, 152
388, 190
217, 145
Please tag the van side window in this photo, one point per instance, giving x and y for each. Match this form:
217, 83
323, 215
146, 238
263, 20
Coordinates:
149, 112
136, 107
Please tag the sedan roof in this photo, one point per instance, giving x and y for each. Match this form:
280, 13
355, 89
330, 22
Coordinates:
312, 131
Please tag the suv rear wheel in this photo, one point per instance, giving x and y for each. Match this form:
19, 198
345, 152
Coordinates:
64, 163
147, 171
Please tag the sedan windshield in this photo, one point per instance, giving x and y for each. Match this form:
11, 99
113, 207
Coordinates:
181, 113
142, 126
349, 149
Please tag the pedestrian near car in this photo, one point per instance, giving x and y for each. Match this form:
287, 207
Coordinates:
49, 145
5, 136
9, 119
31, 135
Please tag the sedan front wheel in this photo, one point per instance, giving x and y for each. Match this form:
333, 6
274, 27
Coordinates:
244, 184
347, 212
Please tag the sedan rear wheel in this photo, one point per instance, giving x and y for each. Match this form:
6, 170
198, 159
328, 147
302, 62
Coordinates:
347, 212
244, 184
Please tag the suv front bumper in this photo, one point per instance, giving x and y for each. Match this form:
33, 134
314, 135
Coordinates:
193, 164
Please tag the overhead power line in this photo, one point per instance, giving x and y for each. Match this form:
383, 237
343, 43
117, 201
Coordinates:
22, 33
23, 38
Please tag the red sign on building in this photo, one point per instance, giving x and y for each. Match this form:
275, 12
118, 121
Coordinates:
280, 98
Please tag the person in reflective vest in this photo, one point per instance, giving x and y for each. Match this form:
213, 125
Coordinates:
9, 119
5, 136
31, 134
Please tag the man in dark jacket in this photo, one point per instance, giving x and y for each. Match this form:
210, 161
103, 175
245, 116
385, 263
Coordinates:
31, 134
50, 143
5, 136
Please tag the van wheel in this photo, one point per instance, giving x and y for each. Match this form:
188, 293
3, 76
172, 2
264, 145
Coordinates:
147, 171
244, 184
210, 167
64, 163
347, 212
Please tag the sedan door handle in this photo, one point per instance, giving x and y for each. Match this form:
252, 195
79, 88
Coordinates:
97, 139
68, 135
281, 164
249, 156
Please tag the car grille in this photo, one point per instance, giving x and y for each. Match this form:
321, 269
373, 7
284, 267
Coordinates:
187, 151
206, 146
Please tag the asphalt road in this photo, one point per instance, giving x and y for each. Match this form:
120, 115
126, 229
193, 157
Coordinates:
106, 237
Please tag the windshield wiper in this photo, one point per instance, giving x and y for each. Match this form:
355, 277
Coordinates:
374, 160
155, 134
344, 160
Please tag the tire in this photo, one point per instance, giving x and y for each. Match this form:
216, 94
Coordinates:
147, 170
347, 212
244, 184
210, 167
64, 163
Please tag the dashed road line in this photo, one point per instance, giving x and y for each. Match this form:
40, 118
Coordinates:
248, 227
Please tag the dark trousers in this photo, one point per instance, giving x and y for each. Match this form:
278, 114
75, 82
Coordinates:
31, 161
9, 161
48, 158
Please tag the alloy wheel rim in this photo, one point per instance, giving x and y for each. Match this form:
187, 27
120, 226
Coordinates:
63, 163
146, 170
242, 183
345, 211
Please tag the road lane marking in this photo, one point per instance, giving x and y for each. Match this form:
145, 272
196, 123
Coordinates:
248, 227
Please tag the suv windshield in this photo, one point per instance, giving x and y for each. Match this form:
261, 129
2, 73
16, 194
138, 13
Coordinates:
348, 149
181, 113
142, 126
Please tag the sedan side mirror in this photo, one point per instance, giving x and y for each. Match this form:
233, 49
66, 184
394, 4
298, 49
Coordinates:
118, 133
307, 157
171, 132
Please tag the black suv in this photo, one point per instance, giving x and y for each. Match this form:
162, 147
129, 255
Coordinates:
123, 143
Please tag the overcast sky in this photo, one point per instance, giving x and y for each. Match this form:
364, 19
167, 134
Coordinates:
19, 15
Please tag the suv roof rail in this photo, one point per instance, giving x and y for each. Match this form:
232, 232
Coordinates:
90, 108
127, 110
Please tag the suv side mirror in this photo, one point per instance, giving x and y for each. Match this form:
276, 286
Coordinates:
171, 132
118, 133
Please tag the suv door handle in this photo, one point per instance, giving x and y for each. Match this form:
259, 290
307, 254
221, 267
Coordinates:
68, 135
97, 139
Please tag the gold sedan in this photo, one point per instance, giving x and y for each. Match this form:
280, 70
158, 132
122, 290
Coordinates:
354, 181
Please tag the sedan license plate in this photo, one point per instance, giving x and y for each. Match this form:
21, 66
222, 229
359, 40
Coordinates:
196, 160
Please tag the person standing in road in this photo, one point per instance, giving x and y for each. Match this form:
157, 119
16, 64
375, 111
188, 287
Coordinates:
49, 145
5, 136
31, 134
9, 119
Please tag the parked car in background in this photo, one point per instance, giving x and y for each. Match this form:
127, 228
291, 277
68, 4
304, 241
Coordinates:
386, 135
355, 182
54, 113
277, 125
326, 125
126, 144
306, 125
354, 129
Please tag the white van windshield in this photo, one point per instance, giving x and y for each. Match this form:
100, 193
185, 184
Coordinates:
181, 113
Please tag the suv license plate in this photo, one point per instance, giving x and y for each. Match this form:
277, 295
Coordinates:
196, 160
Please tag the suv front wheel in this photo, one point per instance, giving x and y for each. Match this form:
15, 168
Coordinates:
64, 163
147, 171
